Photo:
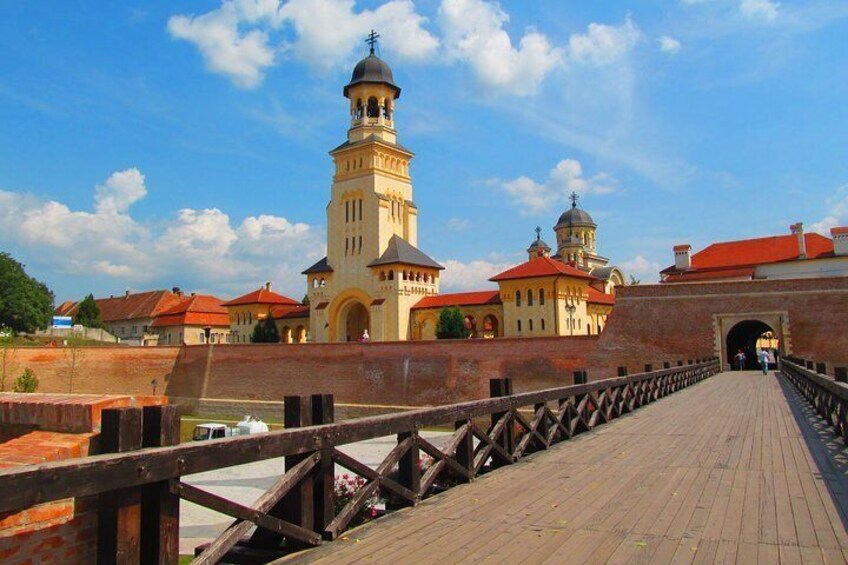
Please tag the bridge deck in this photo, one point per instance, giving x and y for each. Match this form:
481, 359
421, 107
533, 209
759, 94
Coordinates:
729, 470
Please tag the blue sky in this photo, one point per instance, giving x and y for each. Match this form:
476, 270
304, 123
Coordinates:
185, 143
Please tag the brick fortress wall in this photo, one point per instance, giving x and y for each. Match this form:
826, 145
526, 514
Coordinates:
656, 323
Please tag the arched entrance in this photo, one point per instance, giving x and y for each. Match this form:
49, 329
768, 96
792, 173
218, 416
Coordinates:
490, 326
353, 321
747, 336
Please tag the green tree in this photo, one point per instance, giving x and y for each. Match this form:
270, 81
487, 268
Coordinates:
265, 331
25, 303
634, 281
88, 314
74, 357
26, 382
451, 324
7, 352
305, 300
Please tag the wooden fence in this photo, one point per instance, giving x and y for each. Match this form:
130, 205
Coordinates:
828, 396
139, 487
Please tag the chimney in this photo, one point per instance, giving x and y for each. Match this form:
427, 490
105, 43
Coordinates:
840, 240
268, 286
798, 230
176, 290
682, 260
127, 294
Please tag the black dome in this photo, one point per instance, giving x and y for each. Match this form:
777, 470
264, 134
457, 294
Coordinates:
372, 69
575, 217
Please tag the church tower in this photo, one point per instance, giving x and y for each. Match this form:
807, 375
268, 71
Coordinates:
373, 273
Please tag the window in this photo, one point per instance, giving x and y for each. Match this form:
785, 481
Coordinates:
531, 320
347, 211
391, 275
347, 246
542, 301
250, 317
543, 324
360, 209
530, 301
360, 244
373, 108
518, 303
519, 326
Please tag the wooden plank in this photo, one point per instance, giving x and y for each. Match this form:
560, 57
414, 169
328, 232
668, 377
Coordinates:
160, 509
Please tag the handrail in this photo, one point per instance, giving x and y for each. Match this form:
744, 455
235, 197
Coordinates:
827, 396
25, 487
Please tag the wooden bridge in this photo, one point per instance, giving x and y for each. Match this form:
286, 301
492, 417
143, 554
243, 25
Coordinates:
732, 467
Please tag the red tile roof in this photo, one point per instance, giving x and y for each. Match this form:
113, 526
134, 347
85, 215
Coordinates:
748, 253
136, 305
262, 296
67, 308
598, 297
285, 312
478, 298
197, 310
541, 267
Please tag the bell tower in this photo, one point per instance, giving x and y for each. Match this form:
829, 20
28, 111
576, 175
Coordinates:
373, 273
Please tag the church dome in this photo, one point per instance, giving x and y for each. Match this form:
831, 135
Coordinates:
372, 69
575, 217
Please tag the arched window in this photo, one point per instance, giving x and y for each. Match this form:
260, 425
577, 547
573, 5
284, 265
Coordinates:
542, 302
314, 283
323, 283
530, 321
373, 108
391, 275
382, 275
518, 303
543, 324
358, 112
250, 317
530, 303
519, 326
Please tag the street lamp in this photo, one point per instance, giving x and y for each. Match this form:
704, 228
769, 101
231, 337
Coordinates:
571, 308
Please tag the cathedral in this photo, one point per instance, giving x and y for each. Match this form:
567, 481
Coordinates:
376, 284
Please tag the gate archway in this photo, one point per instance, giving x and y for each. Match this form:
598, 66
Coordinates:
353, 321
744, 336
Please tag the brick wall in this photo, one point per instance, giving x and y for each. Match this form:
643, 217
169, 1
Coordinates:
36, 428
393, 373
656, 323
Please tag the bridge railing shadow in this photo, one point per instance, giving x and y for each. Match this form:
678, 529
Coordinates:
819, 405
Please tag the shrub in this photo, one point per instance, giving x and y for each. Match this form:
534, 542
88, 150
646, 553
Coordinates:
26, 382
451, 324
345, 489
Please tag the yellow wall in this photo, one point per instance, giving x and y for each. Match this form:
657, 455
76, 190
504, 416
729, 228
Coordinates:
191, 335
243, 320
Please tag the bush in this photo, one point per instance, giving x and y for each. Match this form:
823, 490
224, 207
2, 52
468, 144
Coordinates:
451, 324
26, 382
266, 331
346, 487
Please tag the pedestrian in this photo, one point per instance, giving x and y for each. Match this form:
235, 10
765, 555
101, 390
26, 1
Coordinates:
764, 360
365, 337
740, 360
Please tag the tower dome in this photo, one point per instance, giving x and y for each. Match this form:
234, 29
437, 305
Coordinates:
574, 216
372, 69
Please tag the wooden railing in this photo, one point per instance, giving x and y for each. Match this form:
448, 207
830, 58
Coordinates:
298, 511
828, 396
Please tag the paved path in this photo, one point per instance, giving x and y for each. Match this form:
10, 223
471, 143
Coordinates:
733, 469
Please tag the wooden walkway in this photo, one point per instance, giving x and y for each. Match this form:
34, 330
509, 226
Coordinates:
733, 469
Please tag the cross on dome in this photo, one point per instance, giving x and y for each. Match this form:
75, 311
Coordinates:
372, 40
538, 231
574, 198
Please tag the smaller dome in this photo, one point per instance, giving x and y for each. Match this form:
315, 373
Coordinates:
537, 244
575, 217
372, 69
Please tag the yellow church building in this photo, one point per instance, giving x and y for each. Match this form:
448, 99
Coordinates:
376, 284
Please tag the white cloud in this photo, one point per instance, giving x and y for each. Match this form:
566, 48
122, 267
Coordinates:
759, 9
474, 33
227, 48
669, 45
200, 247
566, 177
837, 212
242, 38
642, 269
603, 44
457, 224
475, 275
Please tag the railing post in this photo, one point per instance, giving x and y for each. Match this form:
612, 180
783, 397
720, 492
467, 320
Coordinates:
409, 469
840, 374
465, 449
160, 508
324, 501
119, 511
296, 507
499, 388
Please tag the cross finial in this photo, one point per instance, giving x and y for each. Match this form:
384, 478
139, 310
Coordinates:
538, 231
574, 198
372, 40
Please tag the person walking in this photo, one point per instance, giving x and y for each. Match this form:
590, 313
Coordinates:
764, 360
740, 360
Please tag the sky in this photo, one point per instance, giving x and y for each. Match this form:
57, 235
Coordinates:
171, 143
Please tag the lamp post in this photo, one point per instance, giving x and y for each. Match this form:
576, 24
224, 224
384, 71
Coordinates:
571, 308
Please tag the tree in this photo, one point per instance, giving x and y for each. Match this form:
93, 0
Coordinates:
25, 303
305, 300
88, 314
634, 281
451, 324
74, 357
265, 331
26, 382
